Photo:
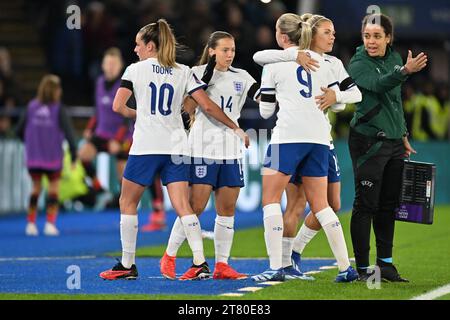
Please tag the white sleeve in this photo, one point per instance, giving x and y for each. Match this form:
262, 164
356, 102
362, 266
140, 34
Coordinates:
129, 73
271, 56
351, 95
338, 107
194, 83
267, 108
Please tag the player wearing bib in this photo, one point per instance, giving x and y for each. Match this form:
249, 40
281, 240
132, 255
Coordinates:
344, 92
300, 141
159, 141
216, 153
44, 126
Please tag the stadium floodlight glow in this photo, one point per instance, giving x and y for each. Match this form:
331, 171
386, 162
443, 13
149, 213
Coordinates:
265, 1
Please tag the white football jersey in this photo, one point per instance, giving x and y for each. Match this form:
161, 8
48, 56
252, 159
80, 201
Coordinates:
299, 118
159, 93
209, 138
339, 73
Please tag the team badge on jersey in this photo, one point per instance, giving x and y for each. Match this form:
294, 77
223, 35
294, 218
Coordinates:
201, 171
238, 86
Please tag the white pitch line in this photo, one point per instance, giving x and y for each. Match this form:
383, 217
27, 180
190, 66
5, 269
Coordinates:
328, 267
231, 294
250, 289
45, 258
271, 283
312, 272
439, 292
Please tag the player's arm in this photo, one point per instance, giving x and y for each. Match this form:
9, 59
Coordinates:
66, 125
120, 100
19, 130
272, 56
365, 76
213, 110
268, 101
189, 103
348, 92
267, 104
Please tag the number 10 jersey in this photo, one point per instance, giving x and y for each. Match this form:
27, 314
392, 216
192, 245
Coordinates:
159, 93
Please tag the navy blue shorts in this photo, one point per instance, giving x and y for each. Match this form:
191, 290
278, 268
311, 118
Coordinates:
217, 173
309, 159
142, 169
334, 173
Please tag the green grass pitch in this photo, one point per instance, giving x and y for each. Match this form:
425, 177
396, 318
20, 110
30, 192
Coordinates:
421, 253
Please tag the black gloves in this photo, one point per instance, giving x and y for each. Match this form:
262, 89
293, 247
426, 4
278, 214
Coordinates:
209, 70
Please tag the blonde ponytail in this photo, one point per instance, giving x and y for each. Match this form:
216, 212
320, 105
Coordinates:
162, 36
167, 45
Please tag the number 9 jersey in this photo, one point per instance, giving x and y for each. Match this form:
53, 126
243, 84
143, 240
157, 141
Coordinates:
159, 93
299, 118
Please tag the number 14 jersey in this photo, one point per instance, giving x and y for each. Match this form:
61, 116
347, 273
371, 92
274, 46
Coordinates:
209, 138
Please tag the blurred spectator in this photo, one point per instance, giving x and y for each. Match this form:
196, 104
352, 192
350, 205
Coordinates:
9, 95
98, 35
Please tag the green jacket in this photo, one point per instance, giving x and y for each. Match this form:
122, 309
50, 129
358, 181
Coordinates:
379, 80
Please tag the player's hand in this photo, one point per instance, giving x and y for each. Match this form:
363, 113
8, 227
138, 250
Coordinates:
243, 136
114, 146
327, 99
415, 64
408, 148
309, 64
209, 70
87, 134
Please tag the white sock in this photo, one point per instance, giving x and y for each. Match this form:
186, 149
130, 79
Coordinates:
304, 236
176, 238
193, 233
333, 230
223, 237
287, 251
273, 234
128, 236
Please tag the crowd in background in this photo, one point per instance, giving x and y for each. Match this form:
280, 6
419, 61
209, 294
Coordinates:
75, 55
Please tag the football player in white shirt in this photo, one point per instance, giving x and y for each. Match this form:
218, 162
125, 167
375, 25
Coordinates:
300, 143
216, 153
159, 142
346, 92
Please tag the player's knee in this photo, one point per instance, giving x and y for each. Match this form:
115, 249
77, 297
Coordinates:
226, 208
198, 209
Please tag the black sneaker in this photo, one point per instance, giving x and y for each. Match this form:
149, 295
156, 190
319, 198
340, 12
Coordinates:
389, 273
120, 272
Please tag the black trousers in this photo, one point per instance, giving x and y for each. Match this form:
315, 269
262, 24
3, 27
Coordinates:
377, 168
